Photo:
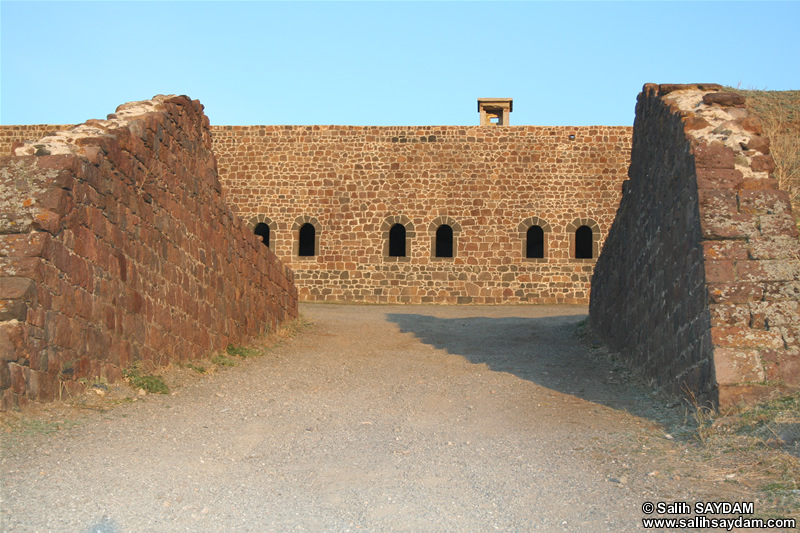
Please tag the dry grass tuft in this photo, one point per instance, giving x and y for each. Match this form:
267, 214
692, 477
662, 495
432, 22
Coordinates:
779, 112
757, 446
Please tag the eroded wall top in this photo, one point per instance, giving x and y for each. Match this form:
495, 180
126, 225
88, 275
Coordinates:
118, 249
698, 283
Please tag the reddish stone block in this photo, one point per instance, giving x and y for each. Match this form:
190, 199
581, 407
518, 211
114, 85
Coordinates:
777, 247
718, 178
762, 163
733, 395
719, 271
738, 337
58, 329
789, 368
771, 359
736, 250
791, 335
758, 144
693, 122
729, 315
708, 156
715, 250
650, 90
777, 225
738, 366
738, 226
5, 375
59, 201
74, 388
764, 202
17, 288
18, 377
756, 183
48, 221
774, 314
112, 373
9, 400
24, 267
12, 341
41, 386
753, 125
768, 270
13, 310
66, 162
79, 272
717, 202
110, 318
782, 290
23, 245
724, 99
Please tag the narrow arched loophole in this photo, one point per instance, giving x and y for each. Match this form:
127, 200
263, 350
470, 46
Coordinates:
397, 241
444, 241
583, 243
534, 248
262, 230
306, 247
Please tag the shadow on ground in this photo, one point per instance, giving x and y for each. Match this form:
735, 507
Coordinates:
547, 351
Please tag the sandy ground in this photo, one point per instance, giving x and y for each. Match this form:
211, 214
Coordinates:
376, 418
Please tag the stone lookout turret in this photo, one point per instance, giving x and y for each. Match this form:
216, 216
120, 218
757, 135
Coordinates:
495, 111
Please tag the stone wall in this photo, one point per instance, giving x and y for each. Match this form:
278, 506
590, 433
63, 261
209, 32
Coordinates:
488, 183
117, 247
698, 283
13, 136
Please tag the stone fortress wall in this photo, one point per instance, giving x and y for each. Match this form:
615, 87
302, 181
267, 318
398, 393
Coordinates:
489, 184
117, 248
699, 284
16, 135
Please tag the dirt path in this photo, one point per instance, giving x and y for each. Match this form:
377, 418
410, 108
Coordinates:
378, 418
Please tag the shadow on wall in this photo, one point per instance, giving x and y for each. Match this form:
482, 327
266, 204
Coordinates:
543, 350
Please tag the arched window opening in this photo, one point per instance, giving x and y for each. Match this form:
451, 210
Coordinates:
307, 241
583, 243
397, 241
444, 241
535, 243
262, 230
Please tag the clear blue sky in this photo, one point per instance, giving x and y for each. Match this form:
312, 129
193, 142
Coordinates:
383, 63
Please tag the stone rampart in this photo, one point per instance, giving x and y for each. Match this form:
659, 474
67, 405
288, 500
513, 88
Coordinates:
489, 184
117, 247
699, 280
13, 136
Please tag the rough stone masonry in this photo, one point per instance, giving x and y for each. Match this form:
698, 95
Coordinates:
697, 284
116, 248
699, 280
490, 185
487, 185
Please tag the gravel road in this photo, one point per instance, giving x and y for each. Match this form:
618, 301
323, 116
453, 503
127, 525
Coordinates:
376, 418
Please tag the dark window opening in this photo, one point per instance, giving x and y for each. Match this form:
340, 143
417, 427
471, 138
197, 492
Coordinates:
262, 230
307, 241
397, 241
444, 241
583, 243
535, 244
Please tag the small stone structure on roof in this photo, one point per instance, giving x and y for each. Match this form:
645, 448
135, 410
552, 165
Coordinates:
495, 111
